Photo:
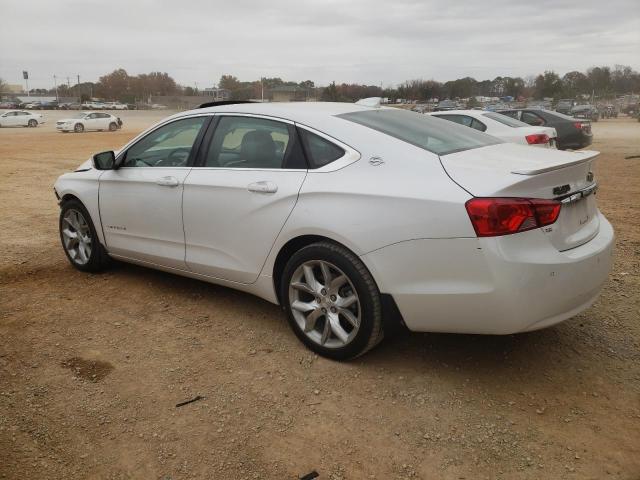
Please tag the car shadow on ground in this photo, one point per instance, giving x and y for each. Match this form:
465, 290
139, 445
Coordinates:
491, 357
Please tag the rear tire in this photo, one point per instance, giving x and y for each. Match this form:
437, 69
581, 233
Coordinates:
337, 309
79, 240
78, 128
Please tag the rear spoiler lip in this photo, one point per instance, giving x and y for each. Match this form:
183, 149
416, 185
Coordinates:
588, 155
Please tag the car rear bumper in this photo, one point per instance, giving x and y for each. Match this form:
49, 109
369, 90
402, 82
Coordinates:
576, 141
499, 285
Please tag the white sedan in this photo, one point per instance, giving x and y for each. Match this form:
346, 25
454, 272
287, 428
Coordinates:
21, 118
84, 121
350, 217
502, 126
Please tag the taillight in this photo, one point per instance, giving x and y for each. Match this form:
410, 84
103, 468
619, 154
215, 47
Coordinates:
503, 216
537, 139
578, 125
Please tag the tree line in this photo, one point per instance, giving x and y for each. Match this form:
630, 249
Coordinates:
600, 82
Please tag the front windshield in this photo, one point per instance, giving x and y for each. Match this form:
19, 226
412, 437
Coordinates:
423, 131
505, 120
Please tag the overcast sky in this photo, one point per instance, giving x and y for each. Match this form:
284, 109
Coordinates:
360, 41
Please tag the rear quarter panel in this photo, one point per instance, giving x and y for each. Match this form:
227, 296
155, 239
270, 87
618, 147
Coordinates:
367, 207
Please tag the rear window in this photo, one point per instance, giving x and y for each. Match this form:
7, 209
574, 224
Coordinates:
505, 120
423, 131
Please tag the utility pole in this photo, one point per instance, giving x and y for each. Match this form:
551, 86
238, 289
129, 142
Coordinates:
261, 90
79, 94
25, 75
55, 82
68, 83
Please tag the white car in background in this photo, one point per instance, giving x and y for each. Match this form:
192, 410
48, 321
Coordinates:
91, 105
115, 106
502, 126
351, 217
84, 121
21, 118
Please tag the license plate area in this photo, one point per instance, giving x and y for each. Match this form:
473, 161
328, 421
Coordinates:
577, 224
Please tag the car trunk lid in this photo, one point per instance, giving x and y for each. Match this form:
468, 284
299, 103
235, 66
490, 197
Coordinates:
510, 170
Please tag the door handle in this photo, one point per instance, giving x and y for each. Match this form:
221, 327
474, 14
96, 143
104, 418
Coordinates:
168, 181
262, 187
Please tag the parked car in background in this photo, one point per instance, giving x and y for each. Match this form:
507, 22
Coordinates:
351, 217
501, 126
31, 105
91, 105
446, 105
52, 105
565, 105
9, 105
573, 133
21, 118
115, 106
83, 122
588, 112
609, 111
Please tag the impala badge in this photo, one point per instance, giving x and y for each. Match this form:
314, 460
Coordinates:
376, 161
561, 189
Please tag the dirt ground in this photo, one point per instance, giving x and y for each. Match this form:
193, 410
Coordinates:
92, 366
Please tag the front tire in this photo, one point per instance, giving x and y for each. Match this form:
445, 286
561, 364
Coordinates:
113, 127
79, 239
332, 301
78, 128
32, 123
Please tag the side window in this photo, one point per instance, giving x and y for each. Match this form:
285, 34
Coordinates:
460, 119
320, 152
532, 119
168, 146
248, 142
510, 113
478, 125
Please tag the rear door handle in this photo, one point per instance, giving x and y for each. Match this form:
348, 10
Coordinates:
262, 187
168, 181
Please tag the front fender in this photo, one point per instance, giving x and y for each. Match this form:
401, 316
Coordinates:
84, 186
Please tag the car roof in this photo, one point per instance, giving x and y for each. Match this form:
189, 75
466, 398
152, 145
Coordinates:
301, 112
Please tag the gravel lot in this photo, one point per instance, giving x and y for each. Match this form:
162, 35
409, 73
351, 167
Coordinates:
92, 366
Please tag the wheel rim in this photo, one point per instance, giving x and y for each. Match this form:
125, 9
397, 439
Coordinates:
79, 128
76, 236
324, 304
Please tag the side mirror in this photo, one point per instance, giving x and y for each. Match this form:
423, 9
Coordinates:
104, 160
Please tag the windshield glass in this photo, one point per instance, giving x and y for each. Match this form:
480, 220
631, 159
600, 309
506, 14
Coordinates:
423, 131
511, 122
79, 115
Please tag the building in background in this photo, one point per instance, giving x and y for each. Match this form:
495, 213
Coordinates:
216, 94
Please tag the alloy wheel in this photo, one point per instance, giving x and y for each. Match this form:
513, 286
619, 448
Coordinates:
324, 304
76, 236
